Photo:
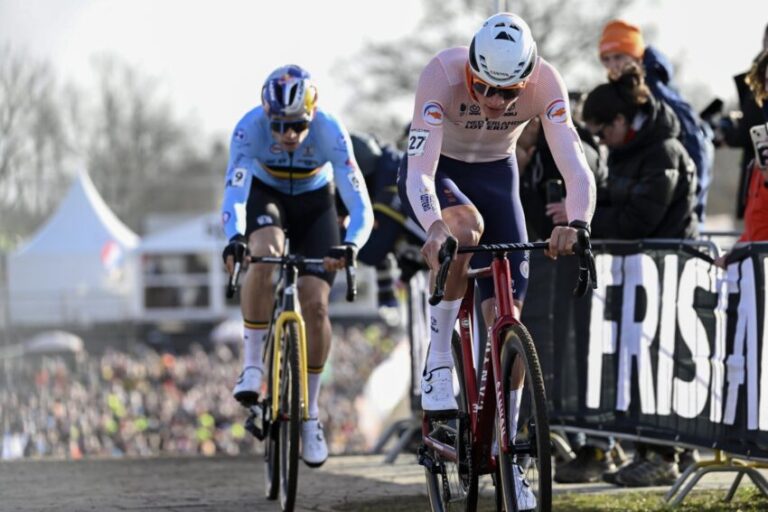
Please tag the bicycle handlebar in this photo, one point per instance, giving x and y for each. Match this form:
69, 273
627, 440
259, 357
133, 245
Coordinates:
587, 271
298, 261
582, 248
234, 277
351, 272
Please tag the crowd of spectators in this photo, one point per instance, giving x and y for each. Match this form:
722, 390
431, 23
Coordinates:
148, 403
654, 169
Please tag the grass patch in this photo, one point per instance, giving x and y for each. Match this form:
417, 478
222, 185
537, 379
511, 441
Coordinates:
747, 499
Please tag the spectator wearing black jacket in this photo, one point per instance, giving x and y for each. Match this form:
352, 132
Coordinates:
651, 187
650, 192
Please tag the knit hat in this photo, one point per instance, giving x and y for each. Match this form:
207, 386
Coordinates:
621, 37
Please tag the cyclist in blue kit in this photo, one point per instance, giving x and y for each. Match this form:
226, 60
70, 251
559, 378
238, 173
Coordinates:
286, 158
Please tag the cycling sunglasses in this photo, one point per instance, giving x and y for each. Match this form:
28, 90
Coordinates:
486, 90
284, 126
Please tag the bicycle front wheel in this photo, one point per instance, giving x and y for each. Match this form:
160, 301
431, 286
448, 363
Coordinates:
452, 486
524, 472
289, 416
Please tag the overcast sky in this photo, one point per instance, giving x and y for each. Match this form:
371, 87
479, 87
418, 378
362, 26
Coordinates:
214, 55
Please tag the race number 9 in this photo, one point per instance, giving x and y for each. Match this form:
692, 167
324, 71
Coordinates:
238, 179
417, 140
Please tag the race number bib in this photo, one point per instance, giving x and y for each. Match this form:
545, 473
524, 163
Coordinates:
417, 141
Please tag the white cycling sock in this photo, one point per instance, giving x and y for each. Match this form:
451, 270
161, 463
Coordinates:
253, 343
515, 398
442, 319
313, 383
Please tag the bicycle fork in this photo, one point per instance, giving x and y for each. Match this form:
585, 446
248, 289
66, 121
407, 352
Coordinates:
289, 314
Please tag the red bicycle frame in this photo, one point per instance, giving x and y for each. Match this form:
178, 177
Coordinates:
482, 410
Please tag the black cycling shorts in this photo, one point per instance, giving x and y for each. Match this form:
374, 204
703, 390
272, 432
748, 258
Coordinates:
309, 219
493, 188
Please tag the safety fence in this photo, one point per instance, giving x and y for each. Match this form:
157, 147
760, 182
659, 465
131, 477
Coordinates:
668, 348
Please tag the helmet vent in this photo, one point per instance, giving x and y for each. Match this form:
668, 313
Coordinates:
291, 95
506, 36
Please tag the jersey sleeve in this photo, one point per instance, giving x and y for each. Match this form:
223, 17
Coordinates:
238, 181
565, 144
425, 141
350, 184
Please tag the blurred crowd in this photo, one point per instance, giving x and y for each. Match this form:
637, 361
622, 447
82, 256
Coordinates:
148, 403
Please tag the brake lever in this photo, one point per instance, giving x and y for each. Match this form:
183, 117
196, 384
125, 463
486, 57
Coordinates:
587, 269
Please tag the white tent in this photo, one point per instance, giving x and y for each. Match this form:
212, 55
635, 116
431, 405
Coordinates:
75, 269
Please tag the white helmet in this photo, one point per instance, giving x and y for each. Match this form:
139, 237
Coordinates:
503, 52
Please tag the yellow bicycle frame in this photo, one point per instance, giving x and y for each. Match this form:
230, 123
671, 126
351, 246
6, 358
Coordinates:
282, 319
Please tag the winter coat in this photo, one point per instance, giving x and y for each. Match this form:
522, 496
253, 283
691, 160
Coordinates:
651, 185
695, 134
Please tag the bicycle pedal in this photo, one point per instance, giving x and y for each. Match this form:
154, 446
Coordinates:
253, 424
255, 431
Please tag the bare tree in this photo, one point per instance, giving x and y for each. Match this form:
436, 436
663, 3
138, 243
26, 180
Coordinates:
385, 74
142, 157
133, 137
35, 142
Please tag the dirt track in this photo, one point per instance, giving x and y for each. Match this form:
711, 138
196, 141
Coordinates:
194, 484
217, 484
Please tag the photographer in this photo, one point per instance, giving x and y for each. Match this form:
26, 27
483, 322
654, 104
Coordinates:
756, 198
735, 132
541, 187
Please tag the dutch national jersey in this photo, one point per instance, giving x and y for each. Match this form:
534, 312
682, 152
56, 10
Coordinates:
324, 156
447, 120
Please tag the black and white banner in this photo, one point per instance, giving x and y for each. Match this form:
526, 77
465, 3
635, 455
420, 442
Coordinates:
668, 347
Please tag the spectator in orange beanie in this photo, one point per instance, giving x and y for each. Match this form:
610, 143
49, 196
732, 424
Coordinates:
622, 44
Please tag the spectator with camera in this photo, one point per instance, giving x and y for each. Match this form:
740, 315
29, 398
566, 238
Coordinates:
541, 187
756, 200
734, 131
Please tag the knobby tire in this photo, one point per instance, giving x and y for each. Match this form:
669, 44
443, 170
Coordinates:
533, 426
290, 417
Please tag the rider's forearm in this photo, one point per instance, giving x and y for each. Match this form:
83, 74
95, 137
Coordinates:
579, 179
233, 216
354, 193
420, 188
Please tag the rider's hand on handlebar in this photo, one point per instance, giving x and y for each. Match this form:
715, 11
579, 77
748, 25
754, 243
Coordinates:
561, 241
336, 258
587, 267
235, 252
437, 234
